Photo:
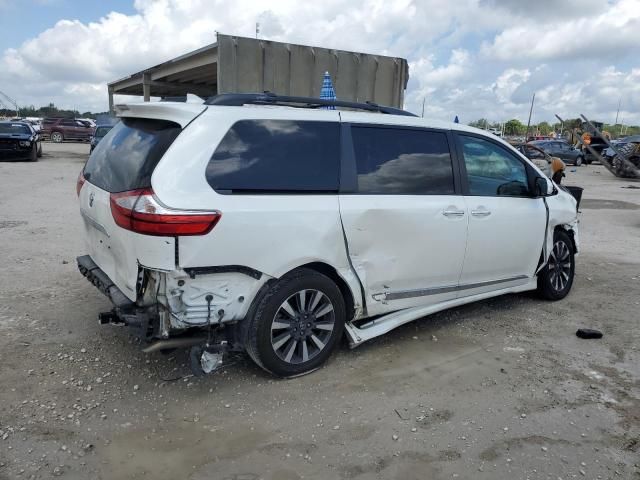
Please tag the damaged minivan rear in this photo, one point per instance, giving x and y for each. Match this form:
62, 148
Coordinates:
276, 230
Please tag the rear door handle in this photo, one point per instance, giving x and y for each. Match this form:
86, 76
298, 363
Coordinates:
453, 213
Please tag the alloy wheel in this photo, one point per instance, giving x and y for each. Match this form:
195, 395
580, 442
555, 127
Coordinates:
302, 326
560, 265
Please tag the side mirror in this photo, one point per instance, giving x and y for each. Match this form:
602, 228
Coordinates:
543, 187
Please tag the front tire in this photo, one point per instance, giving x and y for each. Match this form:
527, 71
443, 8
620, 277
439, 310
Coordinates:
578, 161
556, 278
297, 324
34, 153
57, 137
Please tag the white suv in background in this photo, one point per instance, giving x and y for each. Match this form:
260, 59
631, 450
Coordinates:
246, 224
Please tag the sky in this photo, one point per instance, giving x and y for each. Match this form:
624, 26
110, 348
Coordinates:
471, 58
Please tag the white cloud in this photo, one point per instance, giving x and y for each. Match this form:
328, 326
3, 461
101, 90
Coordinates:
473, 58
613, 33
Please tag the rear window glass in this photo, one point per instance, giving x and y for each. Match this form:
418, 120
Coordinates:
126, 157
102, 131
14, 128
402, 161
277, 156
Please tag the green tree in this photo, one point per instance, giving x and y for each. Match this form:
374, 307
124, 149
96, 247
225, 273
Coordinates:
544, 128
481, 123
514, 127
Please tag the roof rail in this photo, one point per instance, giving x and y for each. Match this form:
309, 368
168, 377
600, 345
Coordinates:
268, 98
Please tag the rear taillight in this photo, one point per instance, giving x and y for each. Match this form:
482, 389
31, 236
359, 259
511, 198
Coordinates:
80, 182
141, 212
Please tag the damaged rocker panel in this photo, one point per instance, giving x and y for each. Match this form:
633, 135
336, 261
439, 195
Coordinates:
423, 292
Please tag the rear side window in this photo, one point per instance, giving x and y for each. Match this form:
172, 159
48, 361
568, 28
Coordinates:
277, 156
402, 161
126, 157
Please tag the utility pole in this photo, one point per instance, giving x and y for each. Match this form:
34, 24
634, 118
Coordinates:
424, 99
257, 29
618, 112
529, 121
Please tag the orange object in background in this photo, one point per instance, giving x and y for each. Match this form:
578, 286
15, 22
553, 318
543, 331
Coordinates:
586, 138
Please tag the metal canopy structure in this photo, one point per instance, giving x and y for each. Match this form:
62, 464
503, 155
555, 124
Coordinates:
246, 65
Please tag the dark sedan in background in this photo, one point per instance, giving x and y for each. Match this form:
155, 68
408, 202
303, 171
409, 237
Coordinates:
19, 141
562, 150
100, 132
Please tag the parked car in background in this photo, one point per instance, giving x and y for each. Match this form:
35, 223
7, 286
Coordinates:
19, 141
618, 143
98, 134
60, 129
370, 221
627, 148
88, 121
35, 123
558, 148
539, 157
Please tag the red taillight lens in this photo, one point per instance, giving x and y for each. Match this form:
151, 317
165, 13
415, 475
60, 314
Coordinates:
140, 212
80, 182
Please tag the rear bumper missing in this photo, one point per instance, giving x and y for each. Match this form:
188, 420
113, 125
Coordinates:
102, 282
125, 312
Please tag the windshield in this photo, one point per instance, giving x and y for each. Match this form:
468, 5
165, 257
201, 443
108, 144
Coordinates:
102, 131
15, 129
126, 157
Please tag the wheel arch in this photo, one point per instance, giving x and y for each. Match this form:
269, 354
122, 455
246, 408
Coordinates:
353, 303
572, 235
329, 271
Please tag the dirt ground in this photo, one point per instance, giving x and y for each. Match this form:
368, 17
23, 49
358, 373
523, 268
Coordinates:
501, 389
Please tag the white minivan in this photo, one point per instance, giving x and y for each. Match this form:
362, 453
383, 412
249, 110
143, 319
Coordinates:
276, 225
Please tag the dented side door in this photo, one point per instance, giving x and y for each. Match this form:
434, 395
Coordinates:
407, 249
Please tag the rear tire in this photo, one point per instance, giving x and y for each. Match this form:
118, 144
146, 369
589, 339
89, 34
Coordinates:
556, 278
57, 137
579, 161
296, 325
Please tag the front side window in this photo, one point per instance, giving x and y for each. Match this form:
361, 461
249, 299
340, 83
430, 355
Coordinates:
402, 161
492, 170
277, 156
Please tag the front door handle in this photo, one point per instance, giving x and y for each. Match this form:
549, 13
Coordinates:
480, 213
453, 213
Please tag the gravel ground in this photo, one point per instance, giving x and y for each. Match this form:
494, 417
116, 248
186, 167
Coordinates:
501, 389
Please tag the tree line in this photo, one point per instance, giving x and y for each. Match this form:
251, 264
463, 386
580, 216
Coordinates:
48, 111
516, 127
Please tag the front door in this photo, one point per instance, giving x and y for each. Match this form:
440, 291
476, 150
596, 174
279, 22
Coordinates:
405, 222
506, 224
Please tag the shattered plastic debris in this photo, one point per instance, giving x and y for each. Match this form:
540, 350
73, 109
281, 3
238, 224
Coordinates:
588, 333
